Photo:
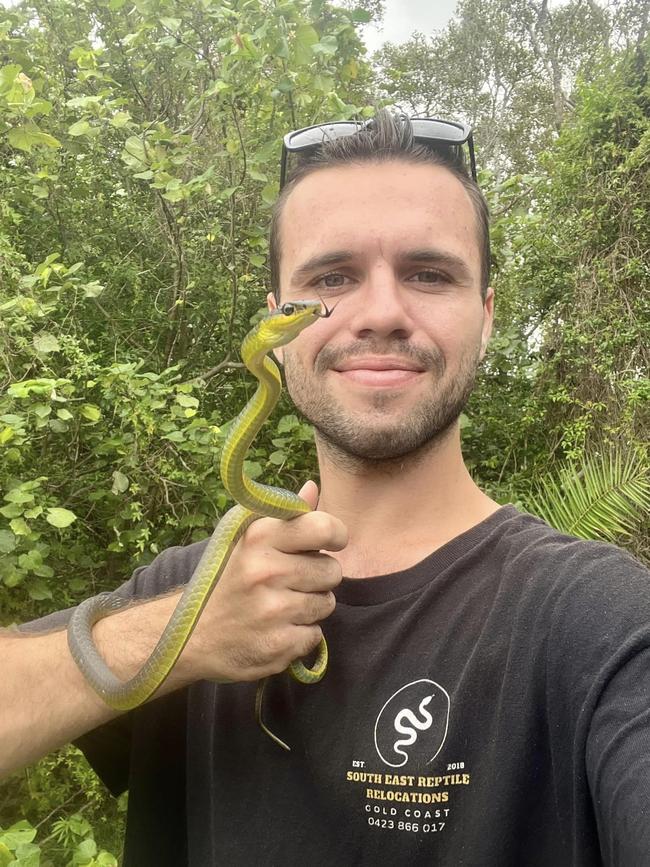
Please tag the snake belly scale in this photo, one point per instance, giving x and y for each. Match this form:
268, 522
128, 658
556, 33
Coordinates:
254, 501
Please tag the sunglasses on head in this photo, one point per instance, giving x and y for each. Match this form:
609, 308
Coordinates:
426, 130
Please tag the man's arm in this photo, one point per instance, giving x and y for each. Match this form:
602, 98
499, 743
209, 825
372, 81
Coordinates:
46, 702
263, 613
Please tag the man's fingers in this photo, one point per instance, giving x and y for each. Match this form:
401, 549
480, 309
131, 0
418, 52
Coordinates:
314, 531
309, 493
313, 607
313, 573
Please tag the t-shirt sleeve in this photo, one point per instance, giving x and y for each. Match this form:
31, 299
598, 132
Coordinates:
599, 692
108, 748
618, 765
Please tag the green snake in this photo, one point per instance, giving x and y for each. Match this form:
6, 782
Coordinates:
254, 500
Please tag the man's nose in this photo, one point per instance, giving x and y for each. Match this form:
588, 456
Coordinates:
381, 307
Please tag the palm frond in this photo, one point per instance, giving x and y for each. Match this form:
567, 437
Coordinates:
603, 498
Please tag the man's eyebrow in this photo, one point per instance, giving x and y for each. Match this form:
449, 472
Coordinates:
430, 255
324, 260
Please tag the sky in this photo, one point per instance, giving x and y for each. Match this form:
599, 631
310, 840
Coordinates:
402, 17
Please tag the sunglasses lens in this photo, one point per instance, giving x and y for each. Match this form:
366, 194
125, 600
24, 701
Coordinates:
439, 130
316, 135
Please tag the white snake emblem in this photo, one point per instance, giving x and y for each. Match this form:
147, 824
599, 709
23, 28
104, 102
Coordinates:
408, 715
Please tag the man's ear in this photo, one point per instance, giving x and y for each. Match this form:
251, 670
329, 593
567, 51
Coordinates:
272, 305
488, 320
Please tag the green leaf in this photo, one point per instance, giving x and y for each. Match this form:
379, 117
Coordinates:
46, 342
18, 834
120, 483
81, 127
603, 498
6, 856
64, 414
13, 510
186, 400
217, 87
91, 412
287, 423
11, 577
19, 495
270, 192
120, 119
278, 457
258, 176
93, 289
28, 135
306, 37
30, 560
39, 590
60, 518
328, 46
172, 24
134, 154
8, 76
19, 527
7, 542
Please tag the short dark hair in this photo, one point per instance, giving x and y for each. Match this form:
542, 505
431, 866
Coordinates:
390, 137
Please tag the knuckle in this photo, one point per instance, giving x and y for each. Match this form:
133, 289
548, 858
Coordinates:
329, 572
257, 532
312, 639
325, 605
276, 645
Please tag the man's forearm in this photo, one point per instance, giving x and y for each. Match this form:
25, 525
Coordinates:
46, 702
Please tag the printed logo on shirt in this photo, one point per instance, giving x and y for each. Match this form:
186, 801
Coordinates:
412, 725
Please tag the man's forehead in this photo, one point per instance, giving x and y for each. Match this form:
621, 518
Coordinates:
394, 201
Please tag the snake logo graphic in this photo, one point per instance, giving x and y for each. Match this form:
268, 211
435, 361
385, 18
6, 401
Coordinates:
397, 716
408, 714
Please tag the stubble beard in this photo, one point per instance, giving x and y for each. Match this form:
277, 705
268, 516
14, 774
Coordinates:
378, 435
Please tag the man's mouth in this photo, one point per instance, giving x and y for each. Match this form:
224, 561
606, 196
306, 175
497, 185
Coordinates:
386, 371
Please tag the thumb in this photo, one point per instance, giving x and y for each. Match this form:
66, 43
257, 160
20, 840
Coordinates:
309, 493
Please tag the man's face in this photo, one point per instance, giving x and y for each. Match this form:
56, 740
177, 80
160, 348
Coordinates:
394, 248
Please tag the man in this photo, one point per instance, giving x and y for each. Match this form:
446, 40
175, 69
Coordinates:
487, 698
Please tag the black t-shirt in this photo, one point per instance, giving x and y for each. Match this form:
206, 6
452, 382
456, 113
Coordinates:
489, 706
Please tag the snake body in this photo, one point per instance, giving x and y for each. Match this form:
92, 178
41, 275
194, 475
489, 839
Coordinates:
254, 501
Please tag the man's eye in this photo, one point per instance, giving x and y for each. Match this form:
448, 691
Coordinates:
430, 277
332, 281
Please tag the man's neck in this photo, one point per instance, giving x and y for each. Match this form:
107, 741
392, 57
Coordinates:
398, 512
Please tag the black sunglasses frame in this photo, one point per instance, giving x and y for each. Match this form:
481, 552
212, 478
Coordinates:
310, 138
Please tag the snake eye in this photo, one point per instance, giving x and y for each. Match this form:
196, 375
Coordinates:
288, 309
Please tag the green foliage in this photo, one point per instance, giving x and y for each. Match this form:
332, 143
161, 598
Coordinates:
605, 498
76, 847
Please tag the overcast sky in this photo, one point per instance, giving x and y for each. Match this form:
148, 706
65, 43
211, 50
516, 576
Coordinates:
404, 16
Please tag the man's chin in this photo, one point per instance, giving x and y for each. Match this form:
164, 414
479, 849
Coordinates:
384, 445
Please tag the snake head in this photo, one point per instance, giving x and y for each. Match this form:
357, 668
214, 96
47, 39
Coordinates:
287, 320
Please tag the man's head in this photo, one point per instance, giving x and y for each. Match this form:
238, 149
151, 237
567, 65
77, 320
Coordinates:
393, 246
388, 138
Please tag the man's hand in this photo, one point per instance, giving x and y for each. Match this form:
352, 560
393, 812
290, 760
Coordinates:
276, 588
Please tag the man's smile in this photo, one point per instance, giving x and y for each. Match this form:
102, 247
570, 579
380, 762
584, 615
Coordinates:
379, 370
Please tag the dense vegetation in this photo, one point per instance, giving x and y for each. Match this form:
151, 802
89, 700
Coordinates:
139, 147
